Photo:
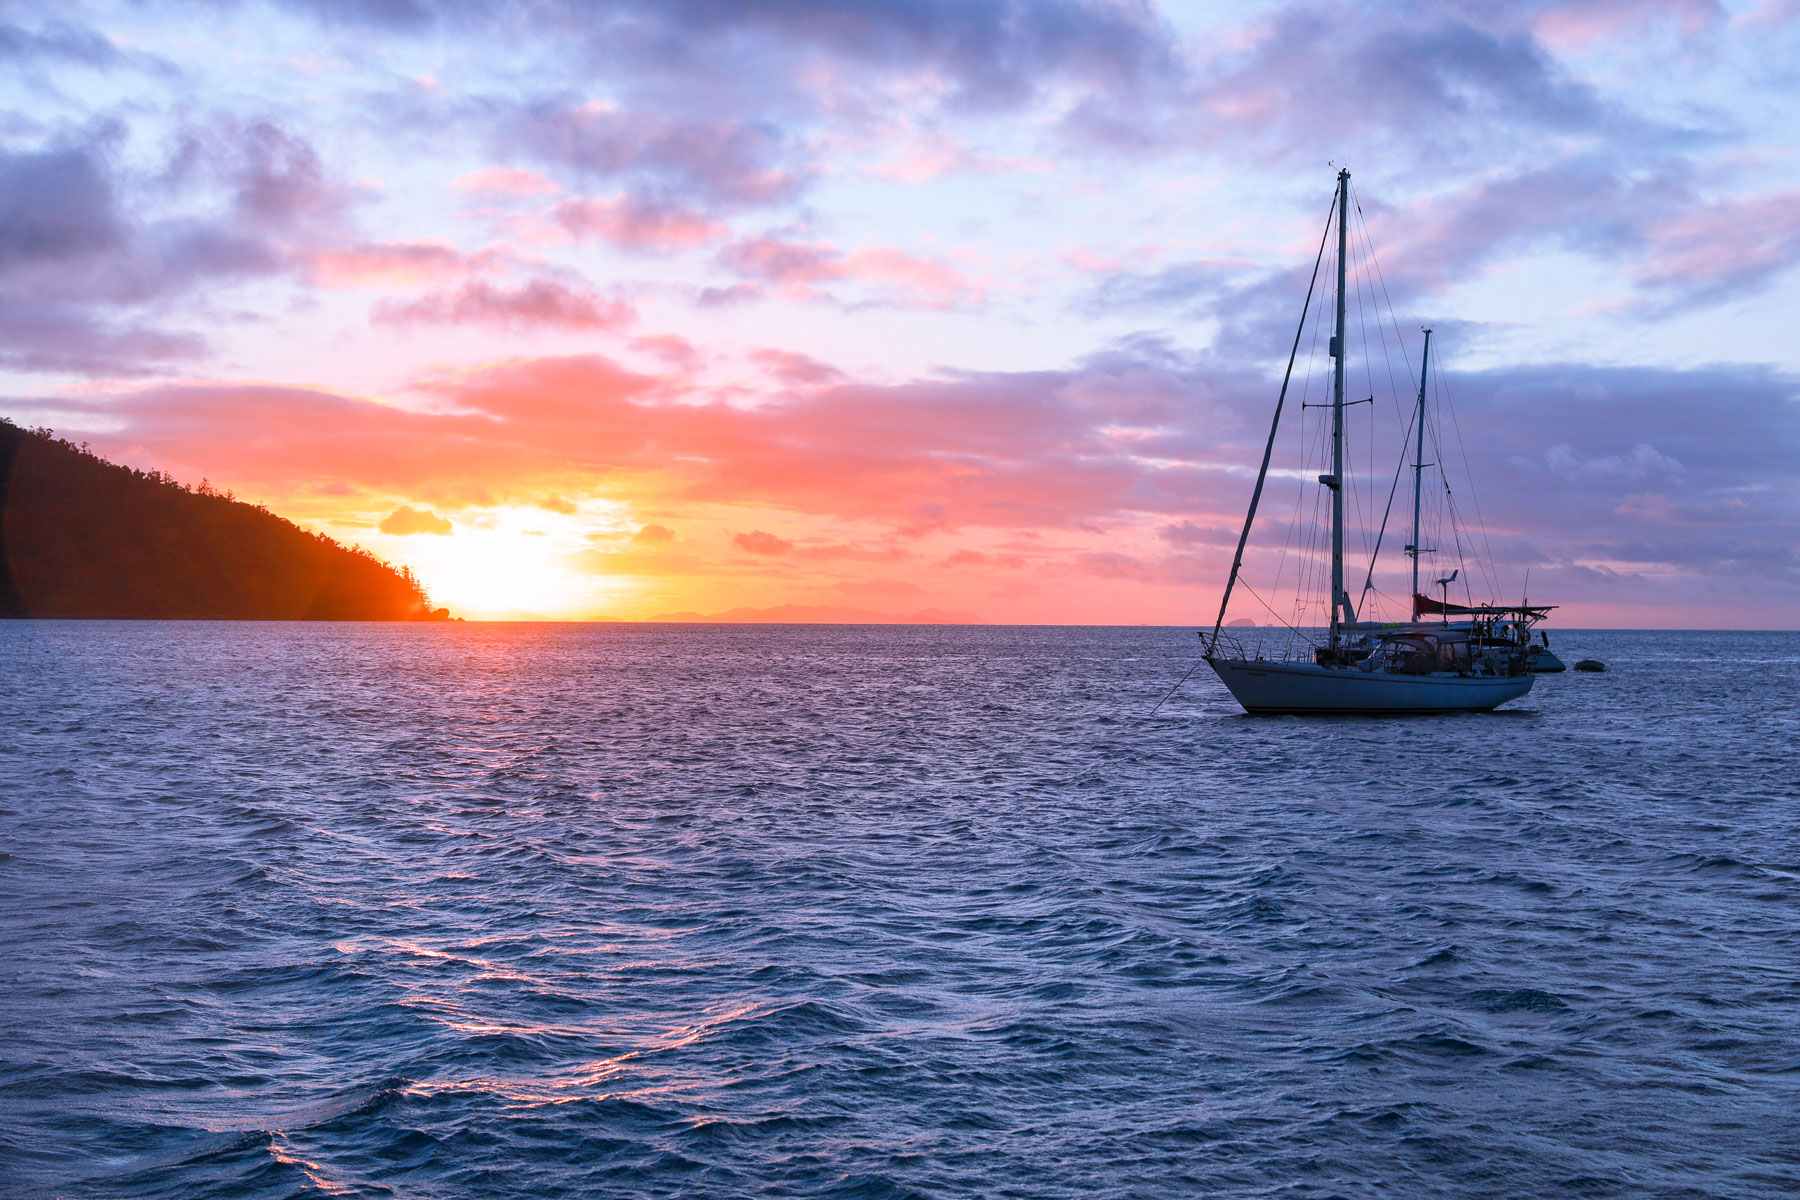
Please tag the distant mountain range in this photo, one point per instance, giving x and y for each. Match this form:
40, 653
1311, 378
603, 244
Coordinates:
84, 537
818, 614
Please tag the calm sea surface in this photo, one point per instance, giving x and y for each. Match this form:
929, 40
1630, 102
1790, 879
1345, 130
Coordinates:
631, 911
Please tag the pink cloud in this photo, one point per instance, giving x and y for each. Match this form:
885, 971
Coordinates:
927, 517
672, 349
789, 264
839, 552
758, 542
1583, 24
796, 268
930, 283
942, 154
632, 221
1726, 242
975, 558
391, 263
795, 370
541, 303
1768, 14
505, 181
1038, 454
1011, 451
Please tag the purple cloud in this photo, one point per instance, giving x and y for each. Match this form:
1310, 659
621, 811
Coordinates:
80, 264
724, 161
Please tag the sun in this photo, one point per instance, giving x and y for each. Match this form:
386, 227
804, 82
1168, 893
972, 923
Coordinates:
515, 564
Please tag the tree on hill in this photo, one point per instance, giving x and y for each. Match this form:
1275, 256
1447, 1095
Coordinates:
84, 537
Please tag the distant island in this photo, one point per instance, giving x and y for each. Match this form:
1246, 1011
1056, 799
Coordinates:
84, 537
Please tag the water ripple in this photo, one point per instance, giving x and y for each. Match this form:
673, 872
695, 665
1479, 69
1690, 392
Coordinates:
638, 911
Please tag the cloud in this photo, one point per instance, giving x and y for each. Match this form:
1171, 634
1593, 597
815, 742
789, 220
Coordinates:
654, 535
1636, 463
673, 349
795, 370
995, 53
1131, 470
794, 268
539, 304
758, 542
62, 338
713, 160
57, 40
1583, 24
939, 153
1186, 533
982, 54
56, 204
404, 521
1721, 248
1309, 79
279, 179
94, 270
1094, 446
386, 263
975, 558
928, 516
1682, 249
504, 181
1178, 570
823, 614
878, 587
637, 223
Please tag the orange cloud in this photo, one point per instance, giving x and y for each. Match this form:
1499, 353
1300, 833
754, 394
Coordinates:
857, 470
758, 542
412, 520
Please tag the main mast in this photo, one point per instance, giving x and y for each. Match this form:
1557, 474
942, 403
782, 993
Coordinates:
1419, 474
1340, 603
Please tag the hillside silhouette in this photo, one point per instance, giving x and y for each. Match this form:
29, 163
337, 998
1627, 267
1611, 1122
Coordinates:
84, 537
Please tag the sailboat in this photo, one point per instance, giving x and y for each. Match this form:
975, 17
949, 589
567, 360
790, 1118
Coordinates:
1470, 658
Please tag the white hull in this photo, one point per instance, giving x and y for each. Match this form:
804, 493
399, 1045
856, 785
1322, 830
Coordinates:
1291, 687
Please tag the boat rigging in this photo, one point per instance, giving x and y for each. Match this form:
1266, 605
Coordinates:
1482, 659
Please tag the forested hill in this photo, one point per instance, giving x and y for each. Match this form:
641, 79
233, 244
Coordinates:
83, 537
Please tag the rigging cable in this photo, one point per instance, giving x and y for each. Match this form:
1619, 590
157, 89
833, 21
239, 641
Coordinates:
1400, 343
1369, 579
1287, 540
1237, 561
1453, 514
1474, 497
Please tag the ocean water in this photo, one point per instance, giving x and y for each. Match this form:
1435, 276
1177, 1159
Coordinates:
704, 911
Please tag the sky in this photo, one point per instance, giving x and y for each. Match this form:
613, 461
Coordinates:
948, 309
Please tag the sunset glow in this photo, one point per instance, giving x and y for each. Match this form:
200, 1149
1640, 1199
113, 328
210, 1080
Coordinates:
522, 564
975, 311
